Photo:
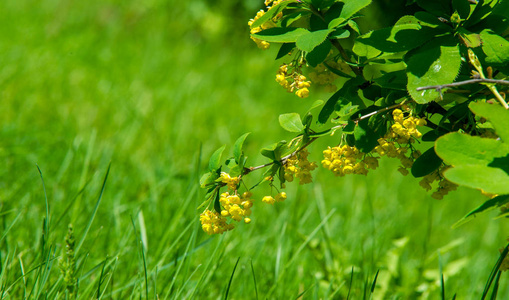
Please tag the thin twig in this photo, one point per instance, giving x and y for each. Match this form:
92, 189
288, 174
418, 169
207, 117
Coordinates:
438, 88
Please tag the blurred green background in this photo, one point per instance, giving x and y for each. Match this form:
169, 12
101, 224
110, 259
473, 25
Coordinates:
153, 87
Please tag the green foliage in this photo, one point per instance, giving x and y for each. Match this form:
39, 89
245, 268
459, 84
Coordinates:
480, 163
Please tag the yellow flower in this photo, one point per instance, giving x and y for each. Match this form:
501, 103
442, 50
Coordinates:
281, 197
302, 93
268, 199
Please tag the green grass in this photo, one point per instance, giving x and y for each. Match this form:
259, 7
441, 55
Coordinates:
153, 88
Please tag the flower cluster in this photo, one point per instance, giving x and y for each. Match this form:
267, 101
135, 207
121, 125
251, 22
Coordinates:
271, 200
405, 128
323, 76
231, 182
343, 160
269, 24
292, 80
233, 206
396, 143
213, 223
236, 207
444, 185
299, 166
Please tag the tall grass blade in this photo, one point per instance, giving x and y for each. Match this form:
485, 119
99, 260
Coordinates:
495, 287
494, 271
231, 279
45, 199
96, 207
254, 279
142, 252
101, 279
305, 291
373, 285
350, 285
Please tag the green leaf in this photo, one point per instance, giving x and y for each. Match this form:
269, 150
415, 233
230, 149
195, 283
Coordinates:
348, 91
365, 137
215, 159
497, 115
284, 50
339, 34
491, 180
394, 80
437, 62
237, 148
397, 38
471, 40
461, 149
482, 10
433, 135
336, 23
495, 47
367, 51
319, 54
436, 7
354, 26
462, 7
274, 10
486, 206
426, 163
280, 35
217, 205
293, 17
307, 42
273, 151
208, 179
291, 122
352, 7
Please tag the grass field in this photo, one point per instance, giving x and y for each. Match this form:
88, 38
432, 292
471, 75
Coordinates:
148, 91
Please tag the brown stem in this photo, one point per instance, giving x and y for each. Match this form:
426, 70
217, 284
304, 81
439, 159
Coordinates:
338, 46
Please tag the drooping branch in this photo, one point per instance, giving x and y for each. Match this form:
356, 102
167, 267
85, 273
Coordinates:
284, 159
440, 87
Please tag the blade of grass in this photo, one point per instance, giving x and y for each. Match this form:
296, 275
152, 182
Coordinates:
96, 207
186, 252
350, 285
47, 223
296, 254
373, 285
212, 258
101, 279
495, 287
494, 271
231, 279
254, 279
142, 252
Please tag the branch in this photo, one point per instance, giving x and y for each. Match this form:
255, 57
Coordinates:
285, 158
439, 88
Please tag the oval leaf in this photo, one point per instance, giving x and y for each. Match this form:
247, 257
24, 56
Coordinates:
215, 159
280, 35
490, 180
291, 122
497, 115
237, 148
426, 163
307, 42
437, 62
